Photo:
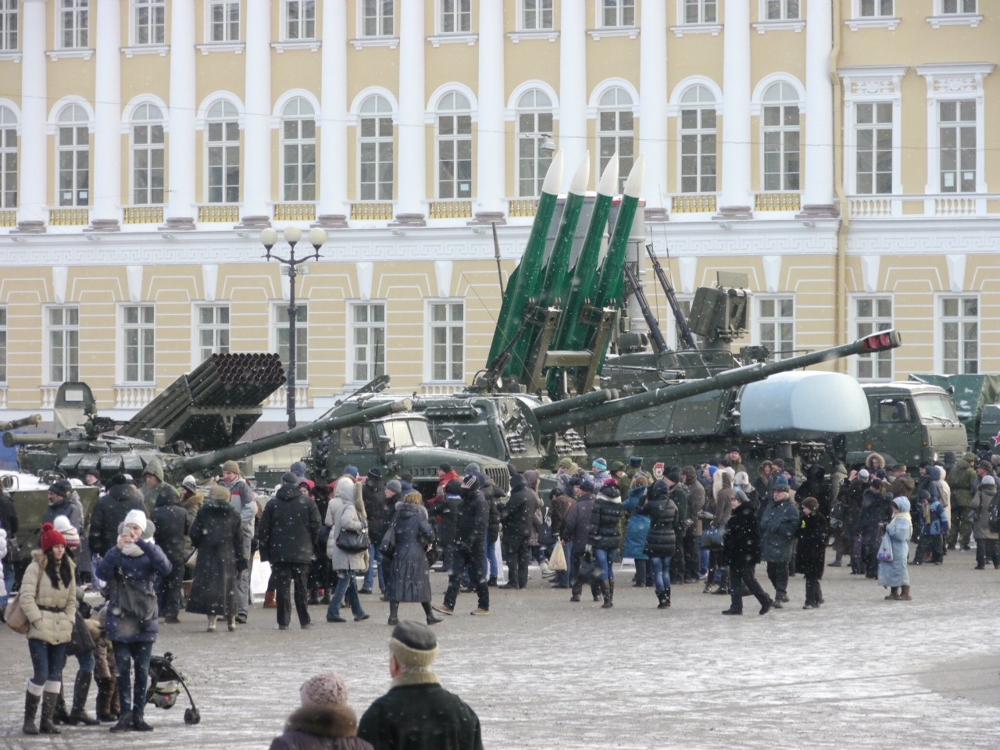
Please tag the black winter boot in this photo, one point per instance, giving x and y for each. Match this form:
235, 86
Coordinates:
30, 709
105, 688
79, 713
611, 588
124, 722
606, 593
393, 613
61, 715
429, 613
45, 723
664, 599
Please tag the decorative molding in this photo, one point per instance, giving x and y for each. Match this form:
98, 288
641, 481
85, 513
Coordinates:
549, 35
954, 19
366, 274
438, 39
697, 28
10, 56
872, 81
872, 23
772, 273
312, 45
795, 25
134, 273
209, 280
81, 53
614, 31
392, 42
146, 49
870, 265
956, 272
210, 47
442, 274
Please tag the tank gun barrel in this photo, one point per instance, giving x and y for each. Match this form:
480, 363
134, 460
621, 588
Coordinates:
594, 398
306, 432
40, 438
30, 421
876, 342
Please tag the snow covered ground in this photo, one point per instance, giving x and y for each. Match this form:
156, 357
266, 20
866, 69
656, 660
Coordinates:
544, 673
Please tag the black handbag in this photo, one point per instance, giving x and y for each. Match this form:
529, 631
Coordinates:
590, 571
387, 547
82, 642
133, 601
353, 541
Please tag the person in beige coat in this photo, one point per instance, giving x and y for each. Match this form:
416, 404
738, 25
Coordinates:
48, 599
346, 511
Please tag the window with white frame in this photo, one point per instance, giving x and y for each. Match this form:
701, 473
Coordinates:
776, 326
74, 23
224, 21
536, 15
782, 10
138, 340
876, 8
957, 127
958, 7
147, 155
3, 344
8, 25
871, 315
617, 13
367, 320
873, 130
375, 149
447, 324
780, 125
616, 132
300, 19
959, 335
213, 330
455, 16
281, 333
73, 156
534, 125
700, 11
377, 17
298, 150
223, 158
454, 143
63, 324
149, 21
698, 158
8, 158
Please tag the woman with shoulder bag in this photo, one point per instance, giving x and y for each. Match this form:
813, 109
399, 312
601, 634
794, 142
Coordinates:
345, 514
48, 600
133, 564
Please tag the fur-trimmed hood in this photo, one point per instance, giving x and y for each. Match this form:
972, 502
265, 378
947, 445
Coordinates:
332, 721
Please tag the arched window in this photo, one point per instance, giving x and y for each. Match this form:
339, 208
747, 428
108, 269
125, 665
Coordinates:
298, 151
73, 156
147, 155
375, 150
698, 140
454, 143
534, 130
8, 158
780, 124
616, 132
223, 158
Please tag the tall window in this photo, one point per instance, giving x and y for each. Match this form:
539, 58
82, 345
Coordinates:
957, 123
301, 339
536, 15
698, 141
447, 341
454, 141
874, 148
73, 156
300, 19
223, 153
376, 17
781, 138
150, 19
876, 8
958, 7
456, 16
783, 10
64, 344
368, 341
3, 344
700, 11
74, 23
776, 326
873, 314
534, 124
960, 335
298, 150
224, 21
618, 13
8, 158
376, 149
147, 155
615, 131
8, 25
139, 337
213, 331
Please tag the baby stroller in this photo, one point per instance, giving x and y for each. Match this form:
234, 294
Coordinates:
165, 683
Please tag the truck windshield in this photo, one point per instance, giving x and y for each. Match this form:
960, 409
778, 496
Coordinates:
935, 407
406, 432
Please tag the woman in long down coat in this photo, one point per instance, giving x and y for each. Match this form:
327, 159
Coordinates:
894, 573
410, 579
218, 537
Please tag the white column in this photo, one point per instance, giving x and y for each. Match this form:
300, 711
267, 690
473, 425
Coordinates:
31, 212
333, 207
735, 201
817, 197
572, 81
181, 138
411, 162
107, 177
490, 152
653, 96
257, 122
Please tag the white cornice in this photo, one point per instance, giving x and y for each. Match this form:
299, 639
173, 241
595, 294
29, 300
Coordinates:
210, 47
392, 42
795, 25
954, 19
549, 35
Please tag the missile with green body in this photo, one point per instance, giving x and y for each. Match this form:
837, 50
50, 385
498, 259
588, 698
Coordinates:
609, 289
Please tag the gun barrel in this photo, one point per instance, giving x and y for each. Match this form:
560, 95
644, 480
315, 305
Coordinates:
546, 411
10, 439
30, 421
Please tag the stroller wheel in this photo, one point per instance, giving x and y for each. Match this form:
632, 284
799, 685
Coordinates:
191, 716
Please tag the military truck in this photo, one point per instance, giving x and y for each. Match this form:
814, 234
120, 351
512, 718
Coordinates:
977, 403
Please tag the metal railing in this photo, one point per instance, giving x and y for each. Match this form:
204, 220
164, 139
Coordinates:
142, 215
372, 211
521, 207
693, 203
219, 213
8, 217
777, 202
450, 210
299, 211
69, 217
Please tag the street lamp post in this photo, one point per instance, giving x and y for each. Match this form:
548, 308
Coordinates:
292, 234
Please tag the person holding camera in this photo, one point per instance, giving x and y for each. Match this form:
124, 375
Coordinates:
741, 551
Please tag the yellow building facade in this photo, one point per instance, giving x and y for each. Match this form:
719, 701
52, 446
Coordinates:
844, 154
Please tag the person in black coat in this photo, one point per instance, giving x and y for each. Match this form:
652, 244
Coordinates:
446, 510
172, 527
605, 537
741, 552
494, 495
289, 529
575, 530
661, 539
810, 554
320, 573
876, 510
410, 579
517, 517
8, 522
109, 513
217, 534
373, 494
470, 536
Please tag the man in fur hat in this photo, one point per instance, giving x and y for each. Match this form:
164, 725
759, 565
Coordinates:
242, 499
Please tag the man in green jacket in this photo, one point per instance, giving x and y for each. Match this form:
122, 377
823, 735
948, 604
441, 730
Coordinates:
961, 478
